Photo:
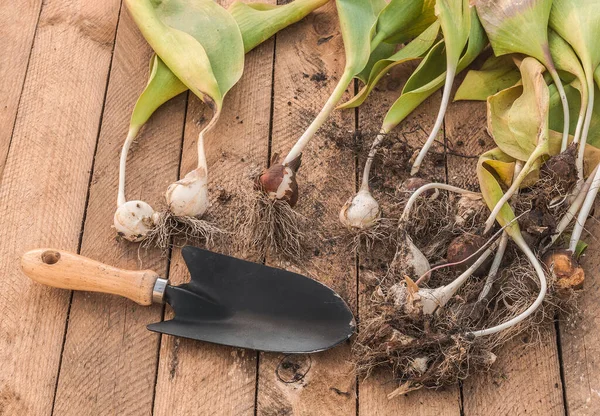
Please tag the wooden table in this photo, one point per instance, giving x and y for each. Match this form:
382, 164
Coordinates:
70, 73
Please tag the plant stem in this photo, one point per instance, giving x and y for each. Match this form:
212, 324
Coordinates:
573, 209
588, 203
538, 152
425, 188
589, 76
334, 98
131, 135
565, 106
493, 273
450, 73
518, 239
364, 186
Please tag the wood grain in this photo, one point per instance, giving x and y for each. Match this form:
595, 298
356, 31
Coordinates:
580, 339
527, 373
17, 30
109, 359
309, 60
44, 189
196, 378
61, 269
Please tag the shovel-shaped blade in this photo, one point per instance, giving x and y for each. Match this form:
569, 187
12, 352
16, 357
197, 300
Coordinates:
243, 304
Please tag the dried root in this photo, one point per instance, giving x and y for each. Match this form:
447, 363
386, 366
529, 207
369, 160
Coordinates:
385, 231
169, 228
273, 226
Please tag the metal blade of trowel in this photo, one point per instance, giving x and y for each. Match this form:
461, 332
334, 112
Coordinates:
243, 304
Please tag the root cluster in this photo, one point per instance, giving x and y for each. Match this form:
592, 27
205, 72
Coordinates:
170, 228
439, 349
272, 226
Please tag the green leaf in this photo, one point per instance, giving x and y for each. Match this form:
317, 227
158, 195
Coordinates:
430, 75
414, 50
382, 51
190, 37
455, 19
259, 21
357, 24
499, 73
162, 86
580, 248
403, 20
516, 26
576, 21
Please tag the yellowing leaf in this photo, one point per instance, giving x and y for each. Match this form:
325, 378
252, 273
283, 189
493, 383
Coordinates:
516, 26
499, 73
492, 194
162, 86
259, 21
518, 116
190, 36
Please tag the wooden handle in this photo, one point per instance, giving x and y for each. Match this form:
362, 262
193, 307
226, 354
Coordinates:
70, 271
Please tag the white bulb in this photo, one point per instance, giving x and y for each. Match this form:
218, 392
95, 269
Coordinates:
361, 211
188, 197
133, 220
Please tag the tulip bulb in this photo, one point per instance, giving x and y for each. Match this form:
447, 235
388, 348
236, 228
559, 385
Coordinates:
134, 219
279, 181
361, 211
188, 197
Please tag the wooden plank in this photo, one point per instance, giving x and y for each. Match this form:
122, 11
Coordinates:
309, 60
385, 178
580, 339
18, 30
527, 373
109, 359
195, 377
44, 189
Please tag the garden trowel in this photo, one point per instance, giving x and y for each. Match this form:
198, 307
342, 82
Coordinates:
228, 301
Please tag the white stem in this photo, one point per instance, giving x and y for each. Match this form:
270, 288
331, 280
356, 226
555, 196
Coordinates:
335, 97
200, 145
491, 278
133, 131
565, 106
425, 188
586, 128
581, 118
450, 73
518, 239
364, 186
572, 211
588, 203
514, 187
437, 298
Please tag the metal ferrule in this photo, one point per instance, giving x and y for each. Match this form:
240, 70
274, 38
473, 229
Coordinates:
158, 292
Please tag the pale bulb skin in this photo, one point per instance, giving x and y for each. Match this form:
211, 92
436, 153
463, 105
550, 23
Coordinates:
188, 197
361, 211
133, 220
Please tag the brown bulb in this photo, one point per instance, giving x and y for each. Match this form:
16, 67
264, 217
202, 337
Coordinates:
566, 268
279, 181
463, 247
